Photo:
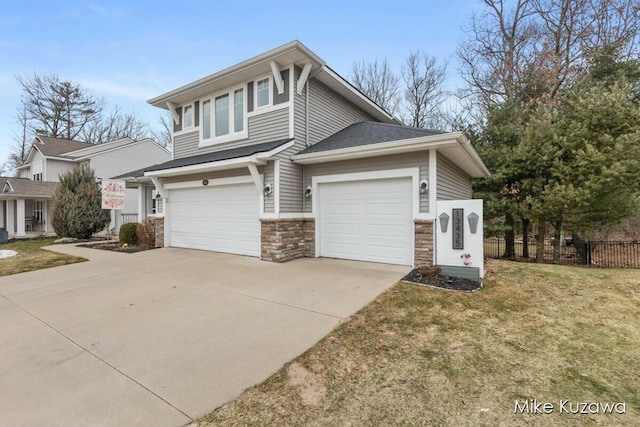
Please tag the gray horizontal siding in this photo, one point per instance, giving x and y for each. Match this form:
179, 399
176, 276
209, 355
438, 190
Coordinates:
268, 127
400, 161
264, 127
329, 112
453, 183
290, 180
269, 201
183, 145
229, 173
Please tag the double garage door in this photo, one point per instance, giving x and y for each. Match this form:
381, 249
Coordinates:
359, 220
368, 220
218, 218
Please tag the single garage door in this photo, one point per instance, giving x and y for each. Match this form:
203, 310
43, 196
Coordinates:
368, 220
217, 218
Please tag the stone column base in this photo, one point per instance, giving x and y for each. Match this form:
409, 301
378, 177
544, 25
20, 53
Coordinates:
159, 226
286, 239
423, 246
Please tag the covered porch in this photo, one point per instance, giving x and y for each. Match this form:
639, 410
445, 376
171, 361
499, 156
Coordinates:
26, 208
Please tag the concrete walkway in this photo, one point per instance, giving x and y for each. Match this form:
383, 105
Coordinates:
161, 337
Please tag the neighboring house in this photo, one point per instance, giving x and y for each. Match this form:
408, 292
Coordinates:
279, 157
25, 201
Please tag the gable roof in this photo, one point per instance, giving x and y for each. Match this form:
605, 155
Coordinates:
370, 139
365, 133
293, 52
49, 146
27, 188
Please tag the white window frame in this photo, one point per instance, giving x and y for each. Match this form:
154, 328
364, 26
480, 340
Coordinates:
255, 92
232, 135
184, 117
202, 120
38, 208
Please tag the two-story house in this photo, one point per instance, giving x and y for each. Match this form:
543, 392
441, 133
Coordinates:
25, 201
279, 157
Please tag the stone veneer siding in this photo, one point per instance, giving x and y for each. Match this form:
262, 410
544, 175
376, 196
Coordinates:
423, 249
286, 239
159, 225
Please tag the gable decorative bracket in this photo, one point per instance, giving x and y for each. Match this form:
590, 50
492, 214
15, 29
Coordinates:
257, 179
304, 75
277, 78
159, 188
174, 115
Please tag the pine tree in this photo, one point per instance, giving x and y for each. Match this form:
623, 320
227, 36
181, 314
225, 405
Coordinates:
77, 208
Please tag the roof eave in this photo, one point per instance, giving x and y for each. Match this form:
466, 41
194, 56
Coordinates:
266, 57
347, 90
454, 140
238, 162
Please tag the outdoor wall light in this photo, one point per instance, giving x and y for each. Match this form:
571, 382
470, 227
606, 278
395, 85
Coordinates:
424, 186
307, 192
268, 189
444, 222
473, 222
158, 196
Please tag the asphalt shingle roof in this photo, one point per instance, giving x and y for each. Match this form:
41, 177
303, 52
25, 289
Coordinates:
365, 133
216, 156
28, 188
58, 146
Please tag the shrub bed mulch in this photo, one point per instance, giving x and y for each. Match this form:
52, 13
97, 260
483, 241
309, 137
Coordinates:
431, 277
117, 247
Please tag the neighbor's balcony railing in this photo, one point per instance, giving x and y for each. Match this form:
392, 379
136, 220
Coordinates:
129, 217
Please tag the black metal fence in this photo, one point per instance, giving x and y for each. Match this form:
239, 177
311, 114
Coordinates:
602, 253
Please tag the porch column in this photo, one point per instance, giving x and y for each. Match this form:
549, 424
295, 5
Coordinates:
3, 220
20, 212
142, 203
45, 216
11, 210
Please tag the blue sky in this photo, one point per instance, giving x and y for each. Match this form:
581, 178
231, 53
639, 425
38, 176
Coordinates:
128, 52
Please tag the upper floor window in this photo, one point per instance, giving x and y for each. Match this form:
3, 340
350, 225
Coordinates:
224, 115
263, 94
187, 114
206, 119
238, 110
37, 176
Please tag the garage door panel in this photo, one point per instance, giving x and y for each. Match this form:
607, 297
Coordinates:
343, 250
217, 218
367, 220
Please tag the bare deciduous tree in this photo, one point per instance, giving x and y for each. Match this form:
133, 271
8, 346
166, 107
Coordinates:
116, 125
21, 147
56, 107
424, 91
377, 81
163, 135
498, 49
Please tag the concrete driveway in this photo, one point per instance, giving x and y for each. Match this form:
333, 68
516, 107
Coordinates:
164, 336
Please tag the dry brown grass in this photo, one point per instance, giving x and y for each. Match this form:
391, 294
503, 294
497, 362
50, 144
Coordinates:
418, 356
31, 257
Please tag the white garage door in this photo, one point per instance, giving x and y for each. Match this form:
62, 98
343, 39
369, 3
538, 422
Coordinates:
216, 218
367, 220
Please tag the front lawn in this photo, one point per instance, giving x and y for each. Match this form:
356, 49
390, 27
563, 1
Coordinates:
419, 356
31, 256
